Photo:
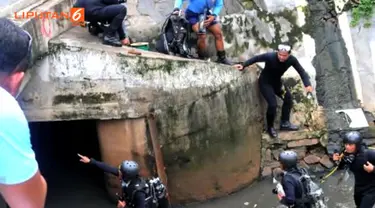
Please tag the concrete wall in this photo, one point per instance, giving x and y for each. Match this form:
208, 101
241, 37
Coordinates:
211, 144
81, 79
363, 43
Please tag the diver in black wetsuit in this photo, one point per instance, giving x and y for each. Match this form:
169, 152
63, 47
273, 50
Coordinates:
360, 160
135, 190
112, 11
276, 64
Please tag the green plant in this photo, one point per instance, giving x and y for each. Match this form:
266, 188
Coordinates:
364, 10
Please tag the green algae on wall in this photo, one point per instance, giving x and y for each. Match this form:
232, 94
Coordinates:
88, 98
144, 64
209, 128
249, 26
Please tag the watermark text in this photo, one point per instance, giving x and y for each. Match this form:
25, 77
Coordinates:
75, 15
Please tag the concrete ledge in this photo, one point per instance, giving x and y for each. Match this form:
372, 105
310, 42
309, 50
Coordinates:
83, 79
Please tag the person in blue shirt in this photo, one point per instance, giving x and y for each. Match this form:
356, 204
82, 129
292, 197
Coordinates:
21, 183
210, 8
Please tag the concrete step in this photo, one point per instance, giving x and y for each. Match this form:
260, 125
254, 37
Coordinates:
83, 79
293, 135
304, 142
291, 139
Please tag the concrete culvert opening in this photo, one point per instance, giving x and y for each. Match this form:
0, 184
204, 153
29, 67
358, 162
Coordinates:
70, 182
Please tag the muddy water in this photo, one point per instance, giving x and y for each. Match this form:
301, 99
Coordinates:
260, 195
70, 189
77, 190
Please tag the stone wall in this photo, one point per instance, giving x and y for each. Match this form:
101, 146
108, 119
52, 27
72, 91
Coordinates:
307, 145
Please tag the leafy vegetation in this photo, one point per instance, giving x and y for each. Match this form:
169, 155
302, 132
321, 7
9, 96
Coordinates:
364, 11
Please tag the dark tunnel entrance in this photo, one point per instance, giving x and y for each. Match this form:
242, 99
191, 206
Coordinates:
70, 182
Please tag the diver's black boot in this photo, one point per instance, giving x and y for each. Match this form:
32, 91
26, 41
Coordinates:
272, 132
287, 126
112, 40
221, 58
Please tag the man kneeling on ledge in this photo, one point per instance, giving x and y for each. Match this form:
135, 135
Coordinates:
112, 11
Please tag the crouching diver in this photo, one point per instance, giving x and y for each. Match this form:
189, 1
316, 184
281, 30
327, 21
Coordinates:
136, 191
293, 188
112, 11
359, 160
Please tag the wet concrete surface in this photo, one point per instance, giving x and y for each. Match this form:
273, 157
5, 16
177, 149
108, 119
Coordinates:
260, 195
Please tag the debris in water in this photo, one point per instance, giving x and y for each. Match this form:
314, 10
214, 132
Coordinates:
246, 203
255, 205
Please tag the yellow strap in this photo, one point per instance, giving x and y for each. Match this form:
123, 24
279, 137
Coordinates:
332, 171
329, 174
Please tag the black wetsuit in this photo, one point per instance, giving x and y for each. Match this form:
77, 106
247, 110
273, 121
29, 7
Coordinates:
293, 190
139, 197
364, 187
270, 83
105, 11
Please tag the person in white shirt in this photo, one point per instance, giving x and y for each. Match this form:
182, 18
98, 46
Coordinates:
21, 183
